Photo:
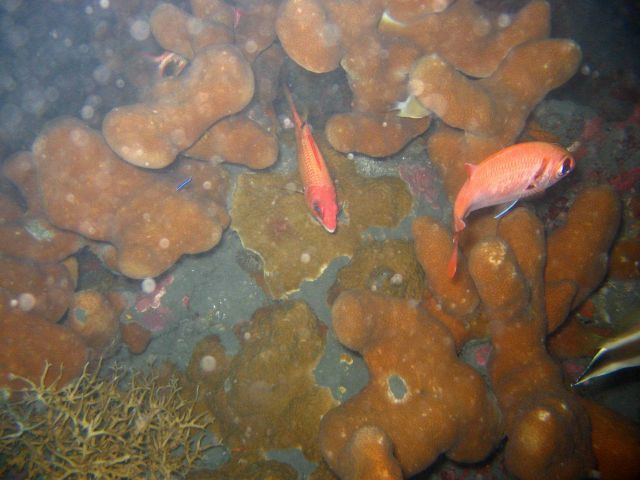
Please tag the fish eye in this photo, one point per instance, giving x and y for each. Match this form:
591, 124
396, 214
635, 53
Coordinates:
317, 208
566, 166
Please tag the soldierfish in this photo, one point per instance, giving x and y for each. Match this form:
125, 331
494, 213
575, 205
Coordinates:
319, 192
505, 177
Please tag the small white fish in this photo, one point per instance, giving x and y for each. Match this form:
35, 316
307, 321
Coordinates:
411, 108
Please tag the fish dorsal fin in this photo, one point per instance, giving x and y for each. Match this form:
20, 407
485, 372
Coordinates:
504, 208
292, 106
303, 113
470, 168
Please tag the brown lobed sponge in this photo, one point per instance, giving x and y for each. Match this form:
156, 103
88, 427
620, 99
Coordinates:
87, 189
421, 400
219, 82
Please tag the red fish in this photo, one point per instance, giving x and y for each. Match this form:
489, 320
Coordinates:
238, 13
505, 177
319, 192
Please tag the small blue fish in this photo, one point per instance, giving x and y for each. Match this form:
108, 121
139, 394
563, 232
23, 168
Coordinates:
184, 184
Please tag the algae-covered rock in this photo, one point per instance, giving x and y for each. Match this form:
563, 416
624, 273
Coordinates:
209, 364
270, 399
389, 267
248, 469
271, 217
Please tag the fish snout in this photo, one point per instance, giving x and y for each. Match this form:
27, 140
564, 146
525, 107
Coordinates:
326, 215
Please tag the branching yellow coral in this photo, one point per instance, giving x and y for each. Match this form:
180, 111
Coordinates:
125, 426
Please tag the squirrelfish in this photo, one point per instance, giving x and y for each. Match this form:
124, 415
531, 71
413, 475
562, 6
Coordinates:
505, 177
319, 191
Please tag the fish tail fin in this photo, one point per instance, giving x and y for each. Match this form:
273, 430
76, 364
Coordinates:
292, 106
453, 261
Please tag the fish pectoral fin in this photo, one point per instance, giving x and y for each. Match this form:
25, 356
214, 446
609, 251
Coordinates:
504, 209
470, 168
343, 214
